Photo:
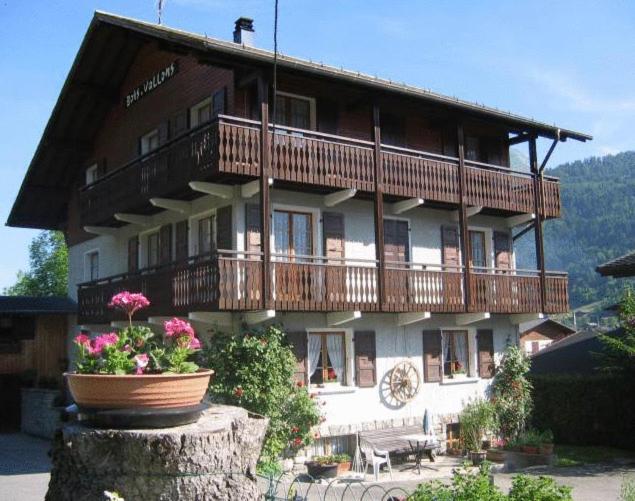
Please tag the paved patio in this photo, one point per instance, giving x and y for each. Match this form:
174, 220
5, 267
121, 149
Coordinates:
24, 467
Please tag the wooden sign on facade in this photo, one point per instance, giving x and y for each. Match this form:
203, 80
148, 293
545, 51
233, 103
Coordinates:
151, 83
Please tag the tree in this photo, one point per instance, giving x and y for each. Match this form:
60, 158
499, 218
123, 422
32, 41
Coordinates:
48, 268
618, 354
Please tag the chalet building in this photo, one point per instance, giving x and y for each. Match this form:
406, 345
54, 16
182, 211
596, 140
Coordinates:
536, 335
372, 219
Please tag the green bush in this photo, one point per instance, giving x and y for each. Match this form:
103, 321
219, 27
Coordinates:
476, 419
586, 409
255, 370
528, 488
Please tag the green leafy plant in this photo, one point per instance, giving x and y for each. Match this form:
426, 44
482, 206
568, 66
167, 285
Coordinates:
255, 370
627, 489
529, 488
476, 419
618, 354
332, 459
511, 394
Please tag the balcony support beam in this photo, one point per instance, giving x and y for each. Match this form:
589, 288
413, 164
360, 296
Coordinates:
412, 317
379, 209
342, 317
463, 228
257, 317
470, 318
514, 221
180, 206
539, 210
211, 317
214, 189
104, 231
469, 212
406, 205
134, 219
264, 183
520, 318
332, 199
252, 188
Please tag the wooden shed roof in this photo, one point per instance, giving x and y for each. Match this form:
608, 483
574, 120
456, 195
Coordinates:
620, 267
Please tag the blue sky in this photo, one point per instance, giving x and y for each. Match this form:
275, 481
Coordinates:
566, 62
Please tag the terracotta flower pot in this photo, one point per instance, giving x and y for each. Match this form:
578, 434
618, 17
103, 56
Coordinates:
343, 467
529, 449
496, 455
158, 391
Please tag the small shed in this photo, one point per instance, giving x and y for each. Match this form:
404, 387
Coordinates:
33, 349
538, 334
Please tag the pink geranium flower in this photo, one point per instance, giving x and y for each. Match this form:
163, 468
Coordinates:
141, 361
98, 344
129, 302
82, 340
195, 344
177, 328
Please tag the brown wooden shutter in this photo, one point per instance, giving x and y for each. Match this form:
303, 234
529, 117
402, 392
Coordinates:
485, 344
181, 241
179, 123
333, 235
432, 356
252, 228
133, 254
502, 250
224, 228
450, 243
165, 244
298, 342
365, 366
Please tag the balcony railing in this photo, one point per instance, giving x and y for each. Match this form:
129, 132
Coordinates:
231, 146
232, 281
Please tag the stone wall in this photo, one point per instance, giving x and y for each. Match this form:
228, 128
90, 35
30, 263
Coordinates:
39, 415
214, 458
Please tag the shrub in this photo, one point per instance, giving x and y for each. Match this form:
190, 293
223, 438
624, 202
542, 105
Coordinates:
528, 488
255, 370
511, 393
476, 419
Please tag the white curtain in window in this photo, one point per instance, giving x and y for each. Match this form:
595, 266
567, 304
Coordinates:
446, 347
460, 346
335, 347
315, 346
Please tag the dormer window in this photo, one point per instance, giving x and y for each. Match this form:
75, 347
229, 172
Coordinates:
149, 141
92, 174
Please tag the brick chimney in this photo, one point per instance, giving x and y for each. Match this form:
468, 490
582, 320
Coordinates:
244, 31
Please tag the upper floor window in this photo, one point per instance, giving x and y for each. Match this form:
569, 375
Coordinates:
91, 271
478, 256
472, 148
293, 233
455, 353
201, 112
92, 174
153, 249
295, 111
206, 233
149, 142
326, 358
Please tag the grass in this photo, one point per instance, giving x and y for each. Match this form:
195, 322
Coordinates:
574, 455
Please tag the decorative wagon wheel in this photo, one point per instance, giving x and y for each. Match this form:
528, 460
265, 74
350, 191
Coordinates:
404, 382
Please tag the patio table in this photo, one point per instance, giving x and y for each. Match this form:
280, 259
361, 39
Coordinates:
421, 443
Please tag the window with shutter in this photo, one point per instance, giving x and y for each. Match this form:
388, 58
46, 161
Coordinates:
252, 229
178, 123
149, 142
224, 228
432, 356
478, 256
133, 254
365, 359
153, 249
219, 102
298, 342
181, 240
201, 112
485, 343
450, 244
502, 250
206, 241
165, 244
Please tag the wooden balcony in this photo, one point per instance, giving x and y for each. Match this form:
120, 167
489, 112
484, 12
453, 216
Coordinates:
230, 147
231, 281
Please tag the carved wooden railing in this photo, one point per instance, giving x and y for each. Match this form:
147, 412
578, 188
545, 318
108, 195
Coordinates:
556, 293
419, 287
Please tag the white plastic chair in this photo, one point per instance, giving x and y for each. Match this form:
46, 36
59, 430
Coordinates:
376, 458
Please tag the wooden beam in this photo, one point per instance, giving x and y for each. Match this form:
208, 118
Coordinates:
526, 229
105, 231
211, 317
134, 219
252, 188
470, 318
217, 190
406, 205
469, 212
463, 229
520, 138
520, 318
342, 317
538, 207
379, 209
520, 219
332, 199
412, 317
257, 317
180, 206
548, 155
265, 183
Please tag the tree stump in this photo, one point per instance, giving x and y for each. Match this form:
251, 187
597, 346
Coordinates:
214, 458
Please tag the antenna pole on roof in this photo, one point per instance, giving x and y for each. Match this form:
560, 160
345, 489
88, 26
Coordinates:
160, 5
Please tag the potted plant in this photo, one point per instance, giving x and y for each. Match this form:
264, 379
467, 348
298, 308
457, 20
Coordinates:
530, 443
343, 463
476, 419
322, 467
546, 442
132, 369
458, 370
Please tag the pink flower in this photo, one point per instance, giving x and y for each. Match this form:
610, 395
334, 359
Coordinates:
98, 344
129, 302
176, 328
82, 340
142, 362
195, 344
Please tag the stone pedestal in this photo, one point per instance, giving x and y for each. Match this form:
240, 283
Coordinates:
214, 458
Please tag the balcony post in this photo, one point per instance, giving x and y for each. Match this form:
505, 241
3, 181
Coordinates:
265, 174
538, 209
463, 229
379, 210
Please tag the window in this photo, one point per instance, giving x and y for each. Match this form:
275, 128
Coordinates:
201, 112
396, 241
149, 141
293, 233
92, 265
326, 358
455, 353
206, 240
92, 174
472, 148
478, 257
295, 111
153, 249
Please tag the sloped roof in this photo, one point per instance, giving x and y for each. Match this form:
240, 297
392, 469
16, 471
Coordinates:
527, 326
620, 267
109, 48
35, 305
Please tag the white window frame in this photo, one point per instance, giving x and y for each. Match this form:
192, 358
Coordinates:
315, 223
92, 174
196, 108
349, 350
312, 107
472, 346
193, 243
489, 244
144, 141
87, 264
143, 245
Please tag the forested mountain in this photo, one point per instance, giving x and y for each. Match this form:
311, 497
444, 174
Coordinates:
597, 224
